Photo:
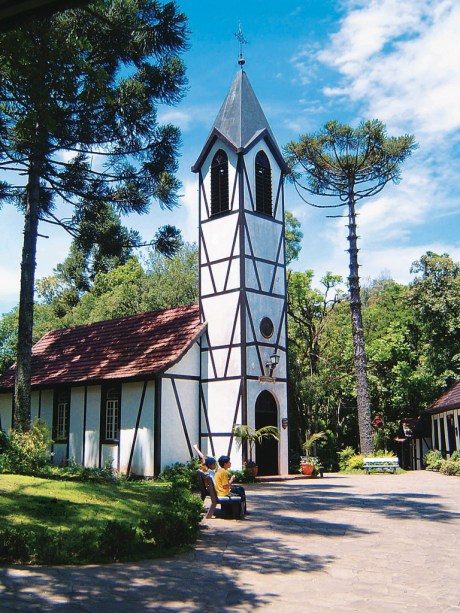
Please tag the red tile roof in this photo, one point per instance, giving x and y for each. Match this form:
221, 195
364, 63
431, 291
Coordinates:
449, 400
126, 348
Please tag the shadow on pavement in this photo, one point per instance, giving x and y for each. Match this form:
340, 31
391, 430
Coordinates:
273, 542
181, 583
315, 498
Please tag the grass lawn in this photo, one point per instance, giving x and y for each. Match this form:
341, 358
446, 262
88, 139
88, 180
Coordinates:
47, 521
68, 505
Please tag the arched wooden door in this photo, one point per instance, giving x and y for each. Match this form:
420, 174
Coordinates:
266, 412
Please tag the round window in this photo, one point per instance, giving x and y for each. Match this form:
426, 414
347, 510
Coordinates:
266, 327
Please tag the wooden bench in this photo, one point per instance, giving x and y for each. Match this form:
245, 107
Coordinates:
381, 464
230, 506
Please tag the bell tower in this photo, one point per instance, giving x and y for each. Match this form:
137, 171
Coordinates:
243, 281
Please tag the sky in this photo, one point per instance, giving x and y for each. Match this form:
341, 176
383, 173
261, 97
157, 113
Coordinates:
308, 62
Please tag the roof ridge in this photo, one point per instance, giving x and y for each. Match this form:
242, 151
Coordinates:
123, 317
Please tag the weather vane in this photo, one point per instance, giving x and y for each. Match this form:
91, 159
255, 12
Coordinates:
242, 41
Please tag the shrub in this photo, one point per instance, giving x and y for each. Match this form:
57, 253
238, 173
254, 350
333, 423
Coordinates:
243, 476
350, 460
174, 524
180, 473
77, 472
356, 462
344, 456
379, 439
40, 545
26, 452
117, 540
433, 460
383, 454
15, 544
177, 522
173, 521
451, 467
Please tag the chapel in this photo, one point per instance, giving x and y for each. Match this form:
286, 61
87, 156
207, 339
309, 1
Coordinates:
140, 391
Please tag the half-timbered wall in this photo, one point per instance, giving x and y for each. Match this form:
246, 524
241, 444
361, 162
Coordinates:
177, 417
242, 280
180, 388
446, 431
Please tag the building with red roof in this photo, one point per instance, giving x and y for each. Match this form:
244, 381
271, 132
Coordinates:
122, 390
445, 421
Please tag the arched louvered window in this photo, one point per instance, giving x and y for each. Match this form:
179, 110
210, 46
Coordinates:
263, 184
219, 183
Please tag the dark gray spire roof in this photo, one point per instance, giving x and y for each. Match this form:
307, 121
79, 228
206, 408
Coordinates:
241, 122
241, 118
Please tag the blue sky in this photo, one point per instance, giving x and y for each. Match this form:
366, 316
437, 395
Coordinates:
395, 60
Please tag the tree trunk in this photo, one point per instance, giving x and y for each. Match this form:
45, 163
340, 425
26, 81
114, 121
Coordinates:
26, 304
362, 388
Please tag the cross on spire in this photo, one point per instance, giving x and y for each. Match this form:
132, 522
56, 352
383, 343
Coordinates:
242, 41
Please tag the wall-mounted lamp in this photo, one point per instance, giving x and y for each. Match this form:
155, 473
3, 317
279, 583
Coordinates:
273, 362
284, 423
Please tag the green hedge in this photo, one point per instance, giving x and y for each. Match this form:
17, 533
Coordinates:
349, 460
433, 460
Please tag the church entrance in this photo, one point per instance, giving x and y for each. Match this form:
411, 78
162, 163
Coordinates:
267, 415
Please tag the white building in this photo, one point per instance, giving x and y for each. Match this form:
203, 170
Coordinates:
445, 421
140, 390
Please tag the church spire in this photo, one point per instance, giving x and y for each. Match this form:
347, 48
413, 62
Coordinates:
241, 122
242, 41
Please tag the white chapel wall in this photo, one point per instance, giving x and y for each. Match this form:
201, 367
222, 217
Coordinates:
76, 425
174, 447
6, 409
93, 422
142, 460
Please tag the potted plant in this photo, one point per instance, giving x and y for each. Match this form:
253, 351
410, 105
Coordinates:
308, 462
251, 436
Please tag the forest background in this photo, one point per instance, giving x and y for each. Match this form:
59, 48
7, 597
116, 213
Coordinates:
412, 331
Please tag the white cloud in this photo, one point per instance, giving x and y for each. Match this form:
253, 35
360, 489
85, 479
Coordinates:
399, 62
366, 30
188, 222
296, 11
391, 260
399, 209
294, 126
404, 70
304, 65
9, 287
398, 260
182, 119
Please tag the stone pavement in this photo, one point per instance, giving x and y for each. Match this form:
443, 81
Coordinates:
381, 542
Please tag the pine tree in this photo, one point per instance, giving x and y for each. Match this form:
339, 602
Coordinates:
348, 165
79, 94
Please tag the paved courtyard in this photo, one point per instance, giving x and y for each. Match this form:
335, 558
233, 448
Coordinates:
343, 543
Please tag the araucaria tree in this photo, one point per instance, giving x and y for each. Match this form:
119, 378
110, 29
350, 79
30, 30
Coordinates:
78, 125
347, 165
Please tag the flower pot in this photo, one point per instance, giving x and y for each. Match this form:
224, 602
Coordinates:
307, 469
253, 471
